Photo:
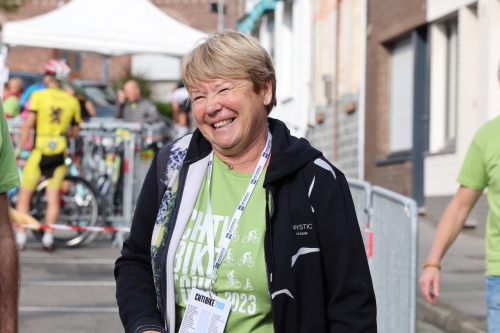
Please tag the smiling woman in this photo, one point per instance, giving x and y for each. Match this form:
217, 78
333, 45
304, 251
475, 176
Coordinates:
222, 213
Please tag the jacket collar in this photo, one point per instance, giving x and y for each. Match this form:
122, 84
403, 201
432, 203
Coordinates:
288, 153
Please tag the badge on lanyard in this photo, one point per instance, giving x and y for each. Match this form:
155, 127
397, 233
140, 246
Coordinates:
237, 214
205, 313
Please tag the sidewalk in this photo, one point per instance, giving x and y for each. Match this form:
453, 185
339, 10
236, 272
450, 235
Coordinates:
462, 306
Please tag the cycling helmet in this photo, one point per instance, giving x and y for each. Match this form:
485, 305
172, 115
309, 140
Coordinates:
57, 68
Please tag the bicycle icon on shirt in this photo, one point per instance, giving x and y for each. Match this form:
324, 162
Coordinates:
252, 236
229, 260
247, 259
233, 281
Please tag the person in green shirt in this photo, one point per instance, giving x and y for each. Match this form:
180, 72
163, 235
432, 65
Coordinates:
11, 97
9, 264
480, 170
243, 217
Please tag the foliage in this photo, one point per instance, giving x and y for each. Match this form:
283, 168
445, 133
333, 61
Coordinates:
10, 6
164, 109
142, 81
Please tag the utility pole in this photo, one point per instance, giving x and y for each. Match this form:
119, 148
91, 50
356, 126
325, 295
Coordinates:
220, 16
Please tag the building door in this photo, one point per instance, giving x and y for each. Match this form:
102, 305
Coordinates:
73, 59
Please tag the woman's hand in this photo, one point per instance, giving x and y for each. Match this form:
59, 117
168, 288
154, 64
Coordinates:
430, 284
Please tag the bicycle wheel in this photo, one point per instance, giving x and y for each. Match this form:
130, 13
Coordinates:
81, 205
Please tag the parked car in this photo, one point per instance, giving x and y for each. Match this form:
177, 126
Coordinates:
28, 78
103, 97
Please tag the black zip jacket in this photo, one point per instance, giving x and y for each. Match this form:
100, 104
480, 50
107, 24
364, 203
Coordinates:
318, 273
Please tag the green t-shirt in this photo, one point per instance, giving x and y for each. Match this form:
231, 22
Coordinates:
481, 169
242, 276
9, 176
11, 106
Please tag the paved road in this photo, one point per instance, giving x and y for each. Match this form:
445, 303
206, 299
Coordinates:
73, 290
69, 290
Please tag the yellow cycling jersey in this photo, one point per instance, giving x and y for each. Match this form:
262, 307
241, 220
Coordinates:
56, 111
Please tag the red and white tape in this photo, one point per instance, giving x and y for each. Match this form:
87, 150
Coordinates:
71, 228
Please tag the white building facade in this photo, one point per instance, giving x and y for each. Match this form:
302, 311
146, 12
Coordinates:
339, 83
464, 87
284, 29
319, 54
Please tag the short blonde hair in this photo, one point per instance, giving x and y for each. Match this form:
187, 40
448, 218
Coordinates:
228, 54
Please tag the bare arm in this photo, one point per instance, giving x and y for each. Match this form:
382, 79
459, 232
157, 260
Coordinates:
451, 224
90, 108
73, 131
29, 124
9, 271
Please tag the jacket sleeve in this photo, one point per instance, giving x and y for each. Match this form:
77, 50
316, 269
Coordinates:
135, 289
119, 110
350, 299
151, 114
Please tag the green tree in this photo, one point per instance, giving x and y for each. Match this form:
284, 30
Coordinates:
141, 80
11, 6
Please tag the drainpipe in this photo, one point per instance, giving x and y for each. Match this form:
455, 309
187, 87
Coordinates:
336, 111
362, 92
4, 50
105, 68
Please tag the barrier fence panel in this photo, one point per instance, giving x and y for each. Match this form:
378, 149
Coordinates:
389, 226
361, 196
394, 263
114, 157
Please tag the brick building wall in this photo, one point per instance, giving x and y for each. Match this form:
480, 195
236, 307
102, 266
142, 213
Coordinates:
195, 13
387, 20
337, 55
321, 133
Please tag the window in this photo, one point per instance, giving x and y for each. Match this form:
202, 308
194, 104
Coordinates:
401, 97
451, 29
73, 59
287, 61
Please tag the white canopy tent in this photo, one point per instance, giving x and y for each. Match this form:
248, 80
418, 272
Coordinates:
108, 27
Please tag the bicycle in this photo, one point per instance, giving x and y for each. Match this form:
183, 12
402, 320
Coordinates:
229, 260
246, 260
81, 205
252, 237
233, 282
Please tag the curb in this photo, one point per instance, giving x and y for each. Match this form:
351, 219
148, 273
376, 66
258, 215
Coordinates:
448, 318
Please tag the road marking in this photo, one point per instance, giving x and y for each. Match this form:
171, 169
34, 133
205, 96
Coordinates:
67, 309
70, 283
68, 261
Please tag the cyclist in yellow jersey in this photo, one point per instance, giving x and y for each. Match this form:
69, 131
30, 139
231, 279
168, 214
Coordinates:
55, 115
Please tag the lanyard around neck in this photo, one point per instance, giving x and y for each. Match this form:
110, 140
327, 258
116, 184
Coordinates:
236, 216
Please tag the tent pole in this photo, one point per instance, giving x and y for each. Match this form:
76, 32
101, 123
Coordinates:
105, 68
220, 14
4, 70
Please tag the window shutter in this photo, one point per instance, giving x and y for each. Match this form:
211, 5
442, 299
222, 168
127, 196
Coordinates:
401, 97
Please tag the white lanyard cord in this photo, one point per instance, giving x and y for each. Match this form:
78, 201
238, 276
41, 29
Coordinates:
236, 216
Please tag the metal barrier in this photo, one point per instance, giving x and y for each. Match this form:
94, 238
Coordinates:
133, 140
390, 234
361, 194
